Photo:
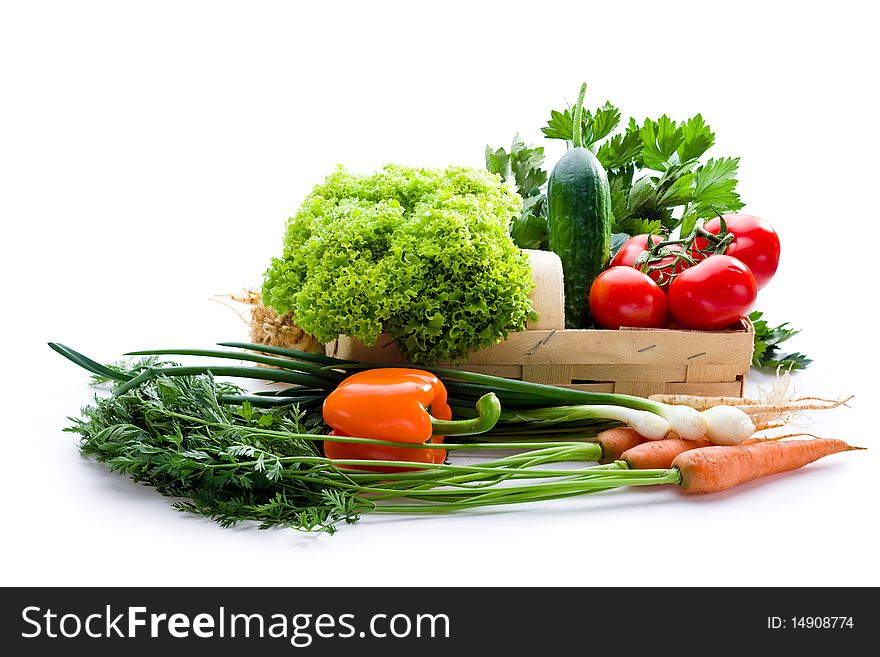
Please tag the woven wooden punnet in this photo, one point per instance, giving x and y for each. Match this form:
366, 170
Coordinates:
630, 361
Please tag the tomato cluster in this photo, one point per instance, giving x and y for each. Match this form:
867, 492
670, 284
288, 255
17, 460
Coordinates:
705, 290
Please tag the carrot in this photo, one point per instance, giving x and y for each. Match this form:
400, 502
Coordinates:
659, 453
615, 442
713, 469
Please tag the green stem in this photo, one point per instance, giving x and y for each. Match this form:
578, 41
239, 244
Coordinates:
547, 492
242, 372
577, 140
550, 434
650, 425
87, 363
293, 354
488, 411
533, 457
265, 401
491, 468
523, 391
372, 441
283, 363
648, 261
465, 484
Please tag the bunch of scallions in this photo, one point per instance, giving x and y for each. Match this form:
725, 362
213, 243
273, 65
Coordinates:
234, 455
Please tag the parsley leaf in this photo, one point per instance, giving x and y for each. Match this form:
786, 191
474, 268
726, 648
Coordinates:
697, 139
620, 151
619, 182
595, 126
661, 140
657, 181
524, 164
767, 341
603, 121
559, 125
652, 226
714, 191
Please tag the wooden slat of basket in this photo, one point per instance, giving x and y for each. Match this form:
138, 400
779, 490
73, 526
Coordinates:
716, 389
615, 372
639, 388
549, 374
707, 372
657, 347
639, 362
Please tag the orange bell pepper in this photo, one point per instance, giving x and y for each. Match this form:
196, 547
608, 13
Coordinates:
397, 405
336, 450
387, 404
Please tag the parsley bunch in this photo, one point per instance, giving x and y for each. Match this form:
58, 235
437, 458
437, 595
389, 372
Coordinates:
659, 178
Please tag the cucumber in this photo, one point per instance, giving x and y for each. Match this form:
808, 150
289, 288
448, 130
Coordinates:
579, 223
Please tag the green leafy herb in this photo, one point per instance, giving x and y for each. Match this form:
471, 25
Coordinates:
713, 190
658, 182
660, 142
682, 192
621, 151
524, 163
697, 139
595, 126
174, 434
767, 341
127, 368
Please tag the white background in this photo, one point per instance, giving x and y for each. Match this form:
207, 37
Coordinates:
149, 156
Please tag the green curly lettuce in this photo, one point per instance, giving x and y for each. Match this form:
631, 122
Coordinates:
421, 254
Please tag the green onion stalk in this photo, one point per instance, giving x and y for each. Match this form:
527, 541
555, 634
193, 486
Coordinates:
316, 375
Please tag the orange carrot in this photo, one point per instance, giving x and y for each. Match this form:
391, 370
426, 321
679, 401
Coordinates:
713, 469
659, 453
615, 442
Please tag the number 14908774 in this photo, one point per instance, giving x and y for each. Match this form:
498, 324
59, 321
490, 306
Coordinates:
810, 622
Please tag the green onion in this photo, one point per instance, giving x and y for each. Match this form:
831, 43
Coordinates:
683, 420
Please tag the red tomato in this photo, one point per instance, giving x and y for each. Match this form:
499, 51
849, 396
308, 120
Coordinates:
362, 451
638, 244
631, 249
712, 294
756, 244
623, 296
662, 276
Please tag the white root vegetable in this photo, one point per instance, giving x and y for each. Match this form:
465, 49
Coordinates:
685, 421
648, 425
794, 406
700, 403
727, 425
267, 326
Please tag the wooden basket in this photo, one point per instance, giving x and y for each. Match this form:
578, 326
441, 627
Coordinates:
630, 361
